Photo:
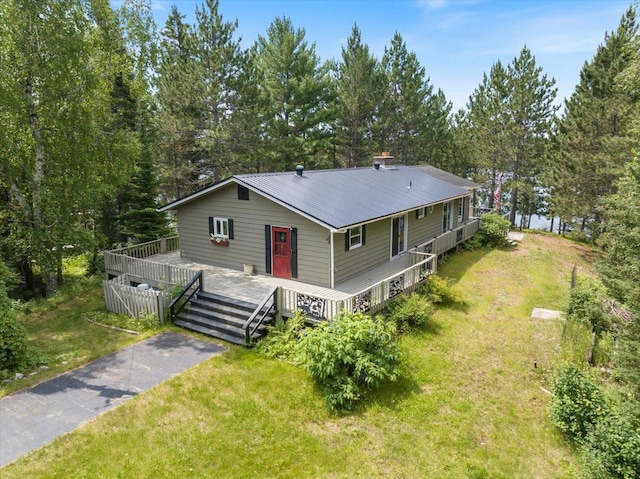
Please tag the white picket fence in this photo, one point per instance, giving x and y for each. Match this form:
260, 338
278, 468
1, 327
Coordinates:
124, 299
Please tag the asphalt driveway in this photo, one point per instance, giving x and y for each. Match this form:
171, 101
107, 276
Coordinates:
31, 418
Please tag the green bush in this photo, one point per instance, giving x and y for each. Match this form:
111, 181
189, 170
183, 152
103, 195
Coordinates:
603, 349
586, 304
407, 311
282, 340
493, 230
16, 355
627, 357
439, 290
349, 356
612, 449
577, 402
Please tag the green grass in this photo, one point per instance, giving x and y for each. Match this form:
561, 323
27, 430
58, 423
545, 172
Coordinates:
58, 328
470, 405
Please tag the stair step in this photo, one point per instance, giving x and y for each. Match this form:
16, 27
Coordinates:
220, 317
231, 320
210, 332
234, 330
221, 309
219, 299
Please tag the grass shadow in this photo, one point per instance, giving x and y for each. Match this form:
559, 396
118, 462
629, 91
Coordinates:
455, 266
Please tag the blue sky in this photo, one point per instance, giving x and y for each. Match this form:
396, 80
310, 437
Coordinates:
456, 41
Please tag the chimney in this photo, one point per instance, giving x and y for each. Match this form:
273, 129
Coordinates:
385, 159
299, 170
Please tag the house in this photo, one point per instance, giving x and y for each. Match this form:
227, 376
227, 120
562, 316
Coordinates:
325, 227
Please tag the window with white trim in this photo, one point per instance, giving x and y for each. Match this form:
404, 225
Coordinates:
221, 227
421, 213
446, 216
460, 210
355, 237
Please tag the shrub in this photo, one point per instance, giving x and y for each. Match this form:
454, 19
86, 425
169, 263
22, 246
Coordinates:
612, 449
577, 402
349, 356
408, 311
282, 340
439, 290
16, 355
493, 230
586, 304
627, 357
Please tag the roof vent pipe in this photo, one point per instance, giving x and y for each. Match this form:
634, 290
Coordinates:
299, 170
376, 165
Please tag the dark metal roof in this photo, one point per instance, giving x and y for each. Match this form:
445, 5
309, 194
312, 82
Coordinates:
346, 197
448, 177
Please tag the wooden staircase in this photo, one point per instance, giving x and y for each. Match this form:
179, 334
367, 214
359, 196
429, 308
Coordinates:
220, 317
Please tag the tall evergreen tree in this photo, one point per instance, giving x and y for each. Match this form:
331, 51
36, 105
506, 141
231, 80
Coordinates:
402, 116
359, 83
592, 146
511, 116
197, 96
530, 116
295, 92
484, 129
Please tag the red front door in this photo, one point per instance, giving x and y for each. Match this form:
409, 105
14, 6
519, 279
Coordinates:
281, 246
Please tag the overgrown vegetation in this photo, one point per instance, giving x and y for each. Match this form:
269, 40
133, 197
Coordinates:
601, 417
347, 357
493, 230
350, 356
439, 290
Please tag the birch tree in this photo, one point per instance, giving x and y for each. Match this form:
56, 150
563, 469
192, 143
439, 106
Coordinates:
58, 145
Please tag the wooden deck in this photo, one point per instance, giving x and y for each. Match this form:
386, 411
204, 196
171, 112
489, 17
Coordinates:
368, 292
236, 284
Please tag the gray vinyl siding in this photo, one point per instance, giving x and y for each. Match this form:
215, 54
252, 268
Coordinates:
248, 246
375, 251
377, 248
422, 230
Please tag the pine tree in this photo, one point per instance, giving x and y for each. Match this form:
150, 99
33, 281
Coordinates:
511, 116
592, 145
403, 111
198, 84
530, 119
295, 93
359, 83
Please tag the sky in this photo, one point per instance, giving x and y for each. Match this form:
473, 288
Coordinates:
456, 41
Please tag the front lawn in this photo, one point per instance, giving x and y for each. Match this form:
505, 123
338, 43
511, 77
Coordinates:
472, 403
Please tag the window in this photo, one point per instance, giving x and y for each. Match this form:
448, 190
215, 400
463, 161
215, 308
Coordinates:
460, 210
420, 213
446, 216
221, 227
243, 192
355, 237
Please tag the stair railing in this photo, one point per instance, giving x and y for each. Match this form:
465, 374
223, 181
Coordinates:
184, 296
249, 326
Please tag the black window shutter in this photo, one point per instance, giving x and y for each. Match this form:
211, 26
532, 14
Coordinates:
294, 252
243, 192
230, 225
418, 213
364, 234
210, 225
267, 247
346, 240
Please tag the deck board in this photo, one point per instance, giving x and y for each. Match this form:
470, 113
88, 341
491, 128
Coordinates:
255, 287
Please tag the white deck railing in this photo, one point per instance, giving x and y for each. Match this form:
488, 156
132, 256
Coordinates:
370, 299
